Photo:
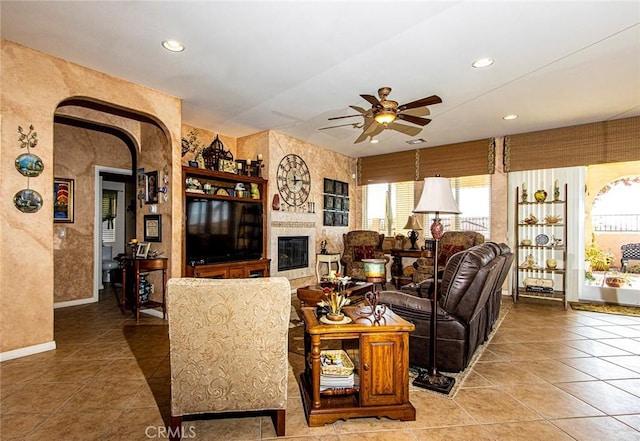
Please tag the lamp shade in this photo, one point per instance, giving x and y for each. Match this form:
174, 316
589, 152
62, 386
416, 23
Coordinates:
436, 197
413, 223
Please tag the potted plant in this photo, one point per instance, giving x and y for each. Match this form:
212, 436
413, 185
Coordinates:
615, 279
599, 260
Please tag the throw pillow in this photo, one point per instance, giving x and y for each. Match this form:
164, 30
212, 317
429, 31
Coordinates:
363, 252
446, 252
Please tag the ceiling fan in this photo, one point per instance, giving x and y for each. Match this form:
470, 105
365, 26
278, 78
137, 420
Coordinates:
384, 114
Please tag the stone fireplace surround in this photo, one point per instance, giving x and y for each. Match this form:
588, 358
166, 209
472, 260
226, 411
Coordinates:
286, 224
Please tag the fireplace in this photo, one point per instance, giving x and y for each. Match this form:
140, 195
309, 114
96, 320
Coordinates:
293, 252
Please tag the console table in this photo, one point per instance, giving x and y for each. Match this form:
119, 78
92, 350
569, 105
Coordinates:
397, 267
328, 259
135, 267
382, 364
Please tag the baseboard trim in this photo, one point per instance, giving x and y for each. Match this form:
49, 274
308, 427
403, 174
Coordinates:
29, 350
73, 303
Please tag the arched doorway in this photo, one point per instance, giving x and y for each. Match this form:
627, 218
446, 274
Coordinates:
96, 143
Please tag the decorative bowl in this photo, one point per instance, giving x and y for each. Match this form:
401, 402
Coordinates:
525, 242
531, 219
551, 219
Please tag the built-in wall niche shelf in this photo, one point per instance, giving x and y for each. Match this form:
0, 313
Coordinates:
336, 203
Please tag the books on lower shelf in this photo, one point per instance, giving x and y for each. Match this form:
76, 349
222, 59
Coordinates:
336, 370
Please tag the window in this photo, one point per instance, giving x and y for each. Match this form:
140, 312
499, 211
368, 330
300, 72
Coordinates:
612, 208
388, 206
109, 213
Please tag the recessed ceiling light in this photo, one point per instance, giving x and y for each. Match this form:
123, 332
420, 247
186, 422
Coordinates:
173, 45
482, 62
416, 141
510, 117
374, 141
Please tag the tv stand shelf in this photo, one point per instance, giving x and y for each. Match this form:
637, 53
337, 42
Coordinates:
247, 256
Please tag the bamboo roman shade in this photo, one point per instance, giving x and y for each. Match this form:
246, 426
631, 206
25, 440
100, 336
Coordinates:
452, 160
391, 167
586, 144
460, 159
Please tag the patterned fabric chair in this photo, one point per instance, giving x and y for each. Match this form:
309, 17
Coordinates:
228, 347
450, 243
358, 245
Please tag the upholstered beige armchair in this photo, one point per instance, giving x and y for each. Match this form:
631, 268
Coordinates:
228, 347
450, 243
358, 245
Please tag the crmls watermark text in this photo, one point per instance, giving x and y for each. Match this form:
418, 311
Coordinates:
162, 432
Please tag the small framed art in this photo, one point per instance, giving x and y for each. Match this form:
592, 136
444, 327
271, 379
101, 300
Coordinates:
63, 200
153, 228
142, 250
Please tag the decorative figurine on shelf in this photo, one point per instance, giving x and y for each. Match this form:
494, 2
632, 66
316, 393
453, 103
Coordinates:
525, 195
556, 191
529, 263
323, 246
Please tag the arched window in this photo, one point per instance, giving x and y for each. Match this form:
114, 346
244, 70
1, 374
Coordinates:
617, 206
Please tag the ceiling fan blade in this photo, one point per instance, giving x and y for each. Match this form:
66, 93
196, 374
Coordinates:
372, 100
354, 125
433, 99
341, 117
414, 119
407, 130
361, 138
370, 125
418, 111
360, 109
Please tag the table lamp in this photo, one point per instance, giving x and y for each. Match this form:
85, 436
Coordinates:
436, 198
413, 224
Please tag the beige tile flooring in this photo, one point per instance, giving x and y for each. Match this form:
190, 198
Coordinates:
548, 374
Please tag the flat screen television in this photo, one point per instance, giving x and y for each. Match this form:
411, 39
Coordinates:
223, 231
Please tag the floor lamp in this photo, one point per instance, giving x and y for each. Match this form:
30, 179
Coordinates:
436, 198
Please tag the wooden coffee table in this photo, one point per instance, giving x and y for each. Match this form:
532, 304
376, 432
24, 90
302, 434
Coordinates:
311, 295
382, 365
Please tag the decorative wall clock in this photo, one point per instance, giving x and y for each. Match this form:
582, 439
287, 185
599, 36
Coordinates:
294, 180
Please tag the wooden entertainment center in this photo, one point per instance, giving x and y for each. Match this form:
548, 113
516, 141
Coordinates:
223, 186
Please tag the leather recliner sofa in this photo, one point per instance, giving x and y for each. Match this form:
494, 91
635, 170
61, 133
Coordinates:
466, 309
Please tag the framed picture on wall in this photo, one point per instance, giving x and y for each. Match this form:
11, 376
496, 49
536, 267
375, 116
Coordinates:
151, 193
153, 228
328, 202
63, 200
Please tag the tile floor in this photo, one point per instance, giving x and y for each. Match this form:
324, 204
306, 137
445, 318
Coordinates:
547, 374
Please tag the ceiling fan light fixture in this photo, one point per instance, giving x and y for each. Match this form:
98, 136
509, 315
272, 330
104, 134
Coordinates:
482, 62
385, 116
416, 141
173, 45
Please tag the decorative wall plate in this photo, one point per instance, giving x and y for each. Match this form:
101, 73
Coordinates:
29, 165
27, 201
542, 239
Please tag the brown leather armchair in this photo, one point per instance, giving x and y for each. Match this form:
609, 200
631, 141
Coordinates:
450, 243
358, 245
464, 313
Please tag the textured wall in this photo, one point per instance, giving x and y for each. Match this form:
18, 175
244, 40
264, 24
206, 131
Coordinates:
77, 150
33, 84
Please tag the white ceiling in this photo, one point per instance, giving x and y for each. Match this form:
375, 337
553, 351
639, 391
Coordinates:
288, 66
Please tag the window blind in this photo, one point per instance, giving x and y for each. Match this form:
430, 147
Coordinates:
586, 144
